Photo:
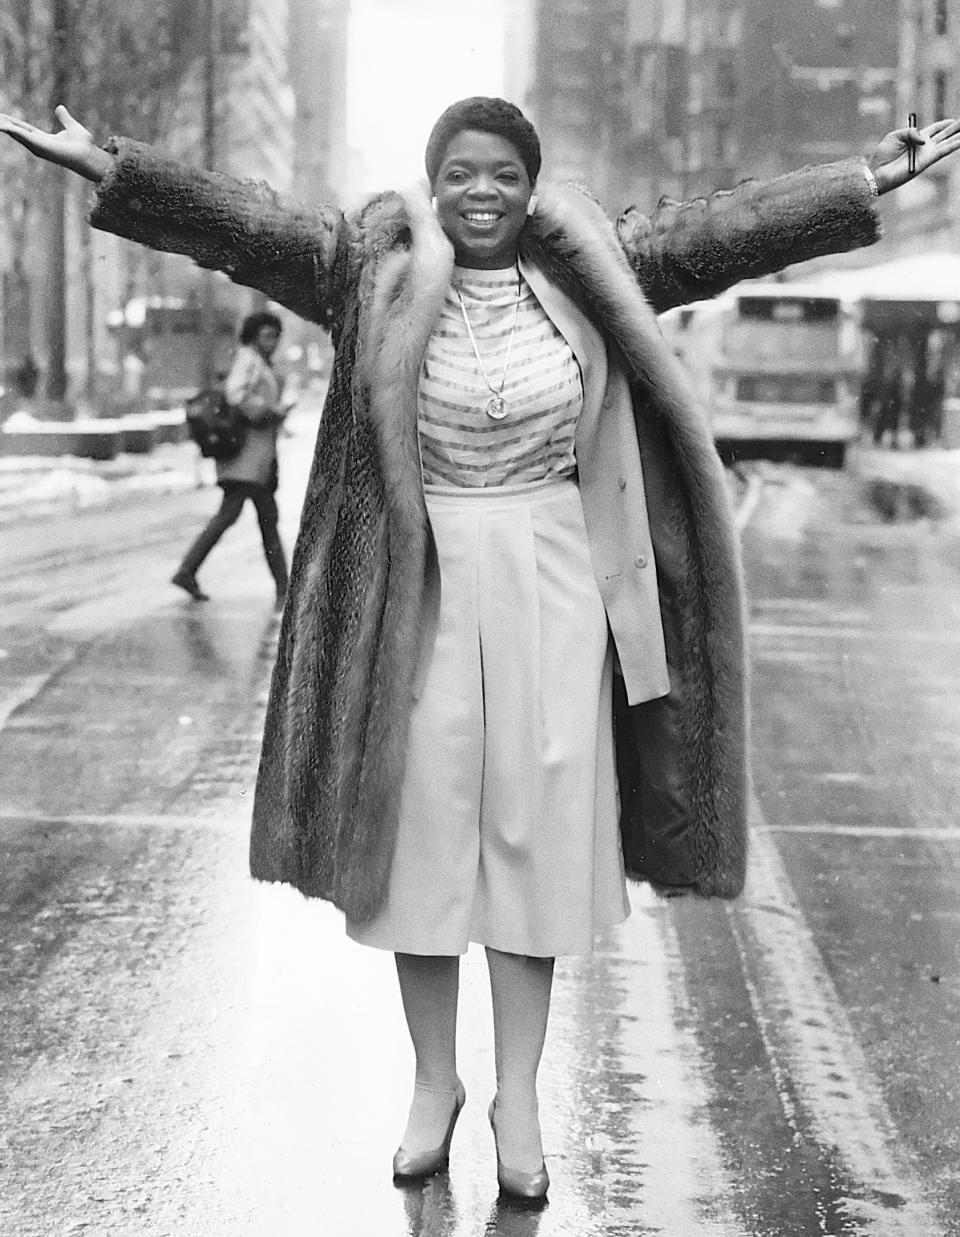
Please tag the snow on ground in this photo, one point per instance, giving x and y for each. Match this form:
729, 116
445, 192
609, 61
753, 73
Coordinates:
934, 469
36, 485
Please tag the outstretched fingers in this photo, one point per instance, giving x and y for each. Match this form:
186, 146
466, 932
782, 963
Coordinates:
943, 139
22, 131
14, 125
941, 128
940, 150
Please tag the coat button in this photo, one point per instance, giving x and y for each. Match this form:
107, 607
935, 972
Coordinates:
640, 561
622, 482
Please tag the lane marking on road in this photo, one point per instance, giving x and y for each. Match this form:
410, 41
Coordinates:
810, 606
927, 833
687, 1186
811, 1042
774, 631
31, 687
642, 1114
28, 690
748, 504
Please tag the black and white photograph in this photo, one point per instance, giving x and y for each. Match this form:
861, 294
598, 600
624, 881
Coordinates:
479, 618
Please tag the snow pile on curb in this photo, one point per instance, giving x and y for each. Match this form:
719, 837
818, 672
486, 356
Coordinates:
39, 485
933, 469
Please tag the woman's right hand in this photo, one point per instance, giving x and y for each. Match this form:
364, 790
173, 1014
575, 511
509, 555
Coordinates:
71, 147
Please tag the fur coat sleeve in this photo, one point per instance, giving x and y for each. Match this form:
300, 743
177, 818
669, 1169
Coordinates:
689, 251
260, 238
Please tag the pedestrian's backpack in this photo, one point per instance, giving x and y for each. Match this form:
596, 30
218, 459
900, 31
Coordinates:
216, 426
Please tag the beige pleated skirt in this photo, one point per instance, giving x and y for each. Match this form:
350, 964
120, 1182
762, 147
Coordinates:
508, 832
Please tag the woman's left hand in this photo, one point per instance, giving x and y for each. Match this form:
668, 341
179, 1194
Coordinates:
890, 161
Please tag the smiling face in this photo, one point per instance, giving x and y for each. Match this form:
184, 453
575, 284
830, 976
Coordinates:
482, 191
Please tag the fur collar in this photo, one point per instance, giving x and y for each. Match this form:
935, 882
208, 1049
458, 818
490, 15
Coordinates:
408, 267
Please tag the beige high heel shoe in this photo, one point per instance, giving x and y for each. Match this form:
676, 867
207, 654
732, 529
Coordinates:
408, 1167
532, 1186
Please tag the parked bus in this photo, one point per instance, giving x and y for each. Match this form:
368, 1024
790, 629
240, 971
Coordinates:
777, 366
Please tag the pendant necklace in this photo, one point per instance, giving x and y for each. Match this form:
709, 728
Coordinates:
496, 406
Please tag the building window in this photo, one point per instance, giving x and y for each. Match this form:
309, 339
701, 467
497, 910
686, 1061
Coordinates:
721, 142
695, 92
726, 81
733, 28
694, 157
676, 92
940, 21
234, 19
939, 95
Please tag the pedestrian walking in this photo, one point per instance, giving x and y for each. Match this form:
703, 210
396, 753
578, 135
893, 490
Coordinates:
511, 666
891, 392
254, 389
925, 410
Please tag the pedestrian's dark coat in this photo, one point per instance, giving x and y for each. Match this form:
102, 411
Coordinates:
334, 744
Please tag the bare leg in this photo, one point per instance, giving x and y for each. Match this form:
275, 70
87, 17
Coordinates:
520, 987
429, 987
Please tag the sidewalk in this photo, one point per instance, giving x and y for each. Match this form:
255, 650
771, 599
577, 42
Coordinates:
32, 486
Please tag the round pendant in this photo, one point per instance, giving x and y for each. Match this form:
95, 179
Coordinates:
497, 407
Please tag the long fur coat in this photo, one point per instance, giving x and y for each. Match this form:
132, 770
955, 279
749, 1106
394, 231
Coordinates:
332, 761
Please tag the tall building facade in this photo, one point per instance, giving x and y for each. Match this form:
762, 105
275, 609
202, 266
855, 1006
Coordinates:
681, 97
819, 80
318, 73
574, 96
520, 32
242, 59
927, 85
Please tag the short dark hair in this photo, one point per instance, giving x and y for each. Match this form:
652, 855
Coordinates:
486, 115
252, 323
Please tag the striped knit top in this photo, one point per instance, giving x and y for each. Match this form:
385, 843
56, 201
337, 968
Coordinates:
460, 445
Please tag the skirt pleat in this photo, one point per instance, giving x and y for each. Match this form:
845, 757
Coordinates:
508, 832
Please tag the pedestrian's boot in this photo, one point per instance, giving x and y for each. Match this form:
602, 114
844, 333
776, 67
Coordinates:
188, 582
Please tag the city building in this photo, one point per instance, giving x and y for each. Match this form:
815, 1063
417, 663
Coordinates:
275, 73
230, 108
640, 98
929, 61
574, 95
819, 81
318, 74
242, 60
520, 31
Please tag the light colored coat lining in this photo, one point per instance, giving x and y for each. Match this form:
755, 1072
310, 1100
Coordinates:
254, 388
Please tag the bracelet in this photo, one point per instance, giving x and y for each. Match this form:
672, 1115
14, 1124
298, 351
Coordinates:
871, 180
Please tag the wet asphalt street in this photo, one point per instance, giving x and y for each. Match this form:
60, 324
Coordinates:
185, 1053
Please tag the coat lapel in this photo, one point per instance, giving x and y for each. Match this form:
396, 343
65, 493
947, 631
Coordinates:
584, 339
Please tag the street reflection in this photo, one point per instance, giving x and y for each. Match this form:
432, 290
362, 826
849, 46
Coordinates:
203, 648
515, 1217
431, 1211
430, 1207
